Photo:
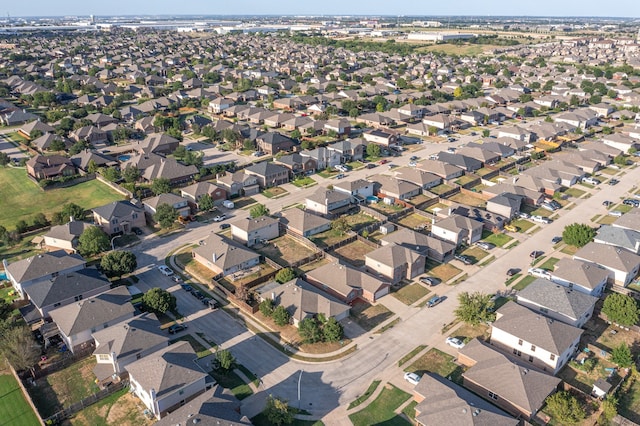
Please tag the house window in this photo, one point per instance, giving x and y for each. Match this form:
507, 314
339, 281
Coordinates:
78, 298
552, 357
533, 348
530, 358
493, 396
517, 352
520, 342
105, 325
114, 221
135, 215
55, 305
103, 357
544, 310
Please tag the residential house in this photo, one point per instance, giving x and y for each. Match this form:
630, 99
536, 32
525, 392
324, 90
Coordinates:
340, 126
458, 229
27, 129
517, 388
385, 138
119, 217
153, 166
158, 143
26, 272
390, 187
17, 117
359, 188
298, 164
181, 205
543, 342
395, 262
349, 150
168, 378
586, 277
619, 141
529, 196
328, 202
474, 117
239, 184
622, 264
274, 142
194, 192
218, 105
479, 153
468, 164
77, 321
323, 156
303, 222
505, 204
558, 302
439, 168
441, 122
50, 167
304, 301
252, 231
375, 120
66, 288
65, 236
627, 239
442, 402
224, 256
123, 343
602, 109
516, 132
581, 118
86, 158
89, 134
490, 221
629, 220
48, 142
268, 174
347, 283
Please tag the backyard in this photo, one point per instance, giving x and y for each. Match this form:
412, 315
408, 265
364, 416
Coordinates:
369, 316
468, 199
329, 238
382, 409
14, 408
285, 250
416, 221
120, 408
23, 199
354, 252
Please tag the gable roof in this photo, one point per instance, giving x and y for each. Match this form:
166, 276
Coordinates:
556, 298
249, 224
224, 253
584, 274
130, 336
43, 265
68, 231
344, 279
117, 209
302, 220
609, 256
266, 168
628, 239
66, 286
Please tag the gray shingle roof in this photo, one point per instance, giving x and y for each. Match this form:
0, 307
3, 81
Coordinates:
557, 298
131, 336
116, 209
44, 264
608, 256
584, 274
628, 239
65, 286
227, 253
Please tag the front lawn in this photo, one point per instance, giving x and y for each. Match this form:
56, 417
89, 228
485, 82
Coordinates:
369, 316
523, 225
436, 361
382, 409
301, 182
276, 191
14, 408
232, 381
524, 282
549, 263
411, 293
498, 240
475, 253
444, 271
23, 199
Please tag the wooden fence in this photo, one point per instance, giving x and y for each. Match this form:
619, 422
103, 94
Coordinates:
115, 186
67, 360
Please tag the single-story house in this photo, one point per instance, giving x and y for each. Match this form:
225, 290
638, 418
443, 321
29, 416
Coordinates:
347, 283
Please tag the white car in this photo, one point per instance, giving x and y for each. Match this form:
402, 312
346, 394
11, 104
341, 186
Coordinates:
539, 273
165, 270
616, 213
219, 218
412, 378
455, 342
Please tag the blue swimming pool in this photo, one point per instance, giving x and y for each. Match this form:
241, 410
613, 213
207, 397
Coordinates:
372, 199
3, 275
123, 158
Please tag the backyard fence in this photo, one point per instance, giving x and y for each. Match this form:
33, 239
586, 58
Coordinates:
58, 417
68, 359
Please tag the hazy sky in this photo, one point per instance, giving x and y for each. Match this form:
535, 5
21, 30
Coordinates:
620, 8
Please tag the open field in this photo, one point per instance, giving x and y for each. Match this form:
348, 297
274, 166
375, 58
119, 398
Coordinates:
23, 199
14, 408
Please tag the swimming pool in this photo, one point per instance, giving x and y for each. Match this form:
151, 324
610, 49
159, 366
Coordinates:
123, 158
3, 275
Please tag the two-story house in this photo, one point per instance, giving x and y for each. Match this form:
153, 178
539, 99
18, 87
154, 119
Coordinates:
458, 229
328, 202
348, 283
181, 205
622, 264
193, 193
303, 222
268, 174
274, 142
224, 256
395, 262
252, 231
119, 217
239, 184
348, 150
586, 277
359, 188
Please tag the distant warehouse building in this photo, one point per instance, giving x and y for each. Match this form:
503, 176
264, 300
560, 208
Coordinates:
428, 36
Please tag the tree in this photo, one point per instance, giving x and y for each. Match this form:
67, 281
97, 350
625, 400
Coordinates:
21, 226
73, 211
111, 174
332, 330
486, 133
4, 159
578, 234
621, 309
620, 160
266, 307
131, 174
225, 359
565, 408
340, 225
205, 203
19, 347
309, 330
117, 263
159, 301
277, 411
40, 220
281, 316
92, 241
474, 308
285, 275
373, 150
621, 355
161, 186
258, 210
165, 215
609, 409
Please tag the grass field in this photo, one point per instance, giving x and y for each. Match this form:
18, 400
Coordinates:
14, 408
22, 199
498, 240
436, 361
381, 410
524, 282
369, 316
410, 294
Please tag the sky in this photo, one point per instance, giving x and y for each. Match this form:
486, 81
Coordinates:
623, 8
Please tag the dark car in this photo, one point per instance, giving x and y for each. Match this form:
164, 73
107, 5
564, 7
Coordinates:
512, 271
556, 240
224, 226
462, 258
198, 295
414, 158
177, 328
630, 202
607, 203
536, 254
186, 287
613, 182
428, 281
434, 301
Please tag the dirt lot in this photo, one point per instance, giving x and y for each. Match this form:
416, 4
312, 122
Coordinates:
354, 252
416, 221
469, 200
285, 250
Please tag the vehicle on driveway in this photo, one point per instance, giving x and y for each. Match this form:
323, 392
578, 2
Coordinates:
177, 328
613, 182
540, 219
219, 218
428, 281
523, 215
412, 378
616, 213
511, 228
434, 301
556, 240
607, 203
631, 202
539, 273
485, 245
455, 342
512, 271
225, 226
165, 270
536, 254
462, 258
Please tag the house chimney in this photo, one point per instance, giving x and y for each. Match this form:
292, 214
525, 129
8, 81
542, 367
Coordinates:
273, 296
215, 258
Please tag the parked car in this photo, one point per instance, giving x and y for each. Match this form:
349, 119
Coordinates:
511, 228
340, 176
548, 206
591, 180
428, 281
186, 287
613, 182
383, 161
536, 254
512, 271
616, 213
198, 295
412, 164
523, 215
224, 226
539, 273
556, 240
434, 301
370, 165
414, 158
212, 303
220, 218
455, 342
607, 203
630, 202
165, 270
485, 245
462, 258
412, 378
541, 219
176, 328
176, 278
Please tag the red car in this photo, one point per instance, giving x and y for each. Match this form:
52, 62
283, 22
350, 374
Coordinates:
383, 161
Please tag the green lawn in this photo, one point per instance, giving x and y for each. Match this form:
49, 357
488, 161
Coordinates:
475, 253
303, 181
438, 362
524, 282
14, 408
498, 240
574, 192
523, 224
232, 381
371, 389
381, 410
549, 263
410, 294
22, 198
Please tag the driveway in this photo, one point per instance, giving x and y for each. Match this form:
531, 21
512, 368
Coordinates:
10, 149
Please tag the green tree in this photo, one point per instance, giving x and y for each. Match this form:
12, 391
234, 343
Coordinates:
621, 355
73, 211
309, 330
159, 301
486, 133
266, 307
225, 360
609, 410
258, 210
165, 215
92, 167
160, 186
19, 347
131, 174
621, 309
281, 316
205, 203
92, 241
40, 220
117, 263
340, 225
578, 234
285, 275
373, 150
111, 174
620, 160
277, 411
332, 330
565, 408
4, 159
474, 308
180, 152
